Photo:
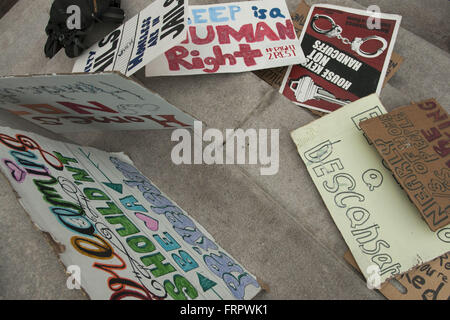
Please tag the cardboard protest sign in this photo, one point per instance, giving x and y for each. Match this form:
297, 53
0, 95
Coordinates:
125, 238
83, 102
232, 37
141, 39
345, 59
429, 281
378, 222
414, 141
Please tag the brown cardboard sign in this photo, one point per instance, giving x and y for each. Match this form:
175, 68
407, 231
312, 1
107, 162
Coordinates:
414, 142
429, 281
274, 76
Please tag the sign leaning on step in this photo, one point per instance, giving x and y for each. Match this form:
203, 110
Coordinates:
380, 225
117, 233
232, 37
347, 52
86, 102
135, 43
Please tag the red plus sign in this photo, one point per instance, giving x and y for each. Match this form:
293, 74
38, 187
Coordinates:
249, 55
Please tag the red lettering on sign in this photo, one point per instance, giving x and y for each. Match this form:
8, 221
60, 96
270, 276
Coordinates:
246, 31
248, 54
44, 108
263, 30
81, 108
429, 105
208, 39
168, 118
286, 31
175, 57
431, 134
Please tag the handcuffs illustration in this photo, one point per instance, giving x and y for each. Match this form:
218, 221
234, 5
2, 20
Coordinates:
335, 32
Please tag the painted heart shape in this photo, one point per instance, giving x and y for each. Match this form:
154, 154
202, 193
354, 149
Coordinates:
16, 172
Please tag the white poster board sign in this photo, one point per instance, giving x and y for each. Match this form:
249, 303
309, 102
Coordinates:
121, 236
233, 37
382, 228
83, 102
147, 35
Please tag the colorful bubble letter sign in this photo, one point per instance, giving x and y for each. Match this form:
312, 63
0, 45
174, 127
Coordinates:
127, 49
232, 37
382, 228
83, 102
124, 236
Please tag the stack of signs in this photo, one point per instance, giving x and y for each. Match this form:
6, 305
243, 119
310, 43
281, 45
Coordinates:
347, 52
141, 39
232, 37
414, 142
81, 102
126, 238
374, 215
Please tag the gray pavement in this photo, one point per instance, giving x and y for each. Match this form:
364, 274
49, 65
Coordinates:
277, 226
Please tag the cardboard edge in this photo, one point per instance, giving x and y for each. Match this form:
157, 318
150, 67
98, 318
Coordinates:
412, 104
131, 78
56, 246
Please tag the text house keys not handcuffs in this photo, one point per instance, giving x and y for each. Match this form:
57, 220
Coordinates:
335, 32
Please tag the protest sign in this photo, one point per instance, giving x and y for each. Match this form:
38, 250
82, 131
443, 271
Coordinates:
83, 102
275, 76
232, 37
414, 141
125, 238
138, 41
374, 215
429, 281
347, 57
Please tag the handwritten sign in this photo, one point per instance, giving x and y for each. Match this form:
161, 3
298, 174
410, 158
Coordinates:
232, 37
83, 102
138, 41
347, 57
374, 215
414, 141
429, 281
128, 239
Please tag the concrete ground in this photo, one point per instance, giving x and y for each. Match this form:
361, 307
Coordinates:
276, 226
